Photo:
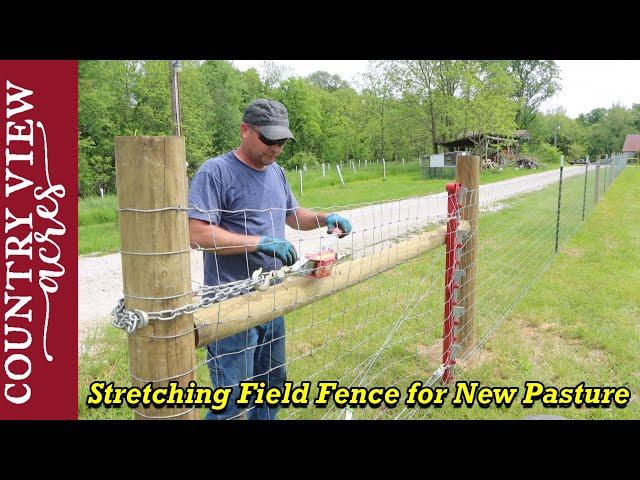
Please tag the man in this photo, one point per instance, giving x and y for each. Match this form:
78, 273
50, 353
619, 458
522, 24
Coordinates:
243, 202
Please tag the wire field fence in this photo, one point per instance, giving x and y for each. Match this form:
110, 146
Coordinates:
412, 294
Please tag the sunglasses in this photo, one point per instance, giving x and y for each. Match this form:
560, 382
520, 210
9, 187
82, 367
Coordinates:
281, 142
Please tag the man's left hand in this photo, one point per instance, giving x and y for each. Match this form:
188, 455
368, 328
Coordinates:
336, 221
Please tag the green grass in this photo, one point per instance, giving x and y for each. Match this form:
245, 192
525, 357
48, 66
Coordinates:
575, 317
97, 210
368, 185
579, 321
105, 357
98, 231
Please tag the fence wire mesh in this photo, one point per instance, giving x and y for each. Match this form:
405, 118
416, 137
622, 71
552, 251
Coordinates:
383, 325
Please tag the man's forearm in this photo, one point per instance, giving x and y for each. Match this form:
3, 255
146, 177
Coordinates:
204, 235
305, 219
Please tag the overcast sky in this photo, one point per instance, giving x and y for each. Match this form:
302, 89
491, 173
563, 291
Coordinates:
586, 84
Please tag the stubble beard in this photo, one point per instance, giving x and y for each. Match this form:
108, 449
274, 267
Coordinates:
267, 159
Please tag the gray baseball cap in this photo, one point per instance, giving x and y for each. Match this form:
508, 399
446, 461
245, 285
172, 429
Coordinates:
270, 116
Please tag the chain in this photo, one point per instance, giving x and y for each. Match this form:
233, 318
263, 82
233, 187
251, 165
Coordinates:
130, 320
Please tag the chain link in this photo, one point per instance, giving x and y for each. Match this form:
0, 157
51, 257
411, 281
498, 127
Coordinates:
130, 320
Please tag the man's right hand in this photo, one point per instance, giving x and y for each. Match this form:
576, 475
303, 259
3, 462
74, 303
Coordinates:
283, 249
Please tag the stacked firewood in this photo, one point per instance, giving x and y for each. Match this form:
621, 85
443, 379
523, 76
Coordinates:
526, 162
489, 163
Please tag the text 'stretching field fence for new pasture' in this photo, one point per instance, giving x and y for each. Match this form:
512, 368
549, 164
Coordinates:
382, 307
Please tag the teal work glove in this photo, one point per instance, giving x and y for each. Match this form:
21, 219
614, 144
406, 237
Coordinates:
283, 249
342, 223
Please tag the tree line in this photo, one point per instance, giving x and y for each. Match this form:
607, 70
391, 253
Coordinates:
397, 109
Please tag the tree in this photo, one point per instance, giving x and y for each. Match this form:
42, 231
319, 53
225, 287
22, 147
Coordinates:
608, 135
343, 130
536, 81
635, 109
444, 92
273, 74
457, 97
380, 86
197, 113
594, 116
152, 111
420, 82
252, 86
326, 81
488, 89
305, 115
106, 103
557, 129
227, 97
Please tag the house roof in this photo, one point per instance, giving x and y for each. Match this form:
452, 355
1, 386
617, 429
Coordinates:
631, 143
473, 139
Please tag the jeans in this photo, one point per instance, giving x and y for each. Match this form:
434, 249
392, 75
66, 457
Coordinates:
257, 354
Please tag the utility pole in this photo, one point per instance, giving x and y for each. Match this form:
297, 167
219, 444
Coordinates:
175, 68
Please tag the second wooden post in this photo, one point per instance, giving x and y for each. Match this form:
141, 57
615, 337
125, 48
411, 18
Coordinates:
468, 174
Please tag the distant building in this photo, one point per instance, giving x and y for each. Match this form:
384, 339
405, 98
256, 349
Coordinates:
488, 145
479, 143
631, 144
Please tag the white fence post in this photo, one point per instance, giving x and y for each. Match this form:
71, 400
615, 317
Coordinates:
340, 173
300, 182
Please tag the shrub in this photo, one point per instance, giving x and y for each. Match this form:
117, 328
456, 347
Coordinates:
547, 153
299, 159
577, 151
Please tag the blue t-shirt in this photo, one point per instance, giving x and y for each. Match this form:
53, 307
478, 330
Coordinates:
241, 200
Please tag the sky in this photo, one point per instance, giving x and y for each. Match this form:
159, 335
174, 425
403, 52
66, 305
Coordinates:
586, 84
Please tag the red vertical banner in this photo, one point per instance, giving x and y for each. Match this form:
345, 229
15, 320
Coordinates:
39, 335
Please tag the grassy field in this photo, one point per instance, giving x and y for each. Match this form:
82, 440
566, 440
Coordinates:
560, 319
579, 322
368, 184
98, 231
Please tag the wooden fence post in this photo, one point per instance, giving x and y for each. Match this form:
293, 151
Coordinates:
156, 269
468, 174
